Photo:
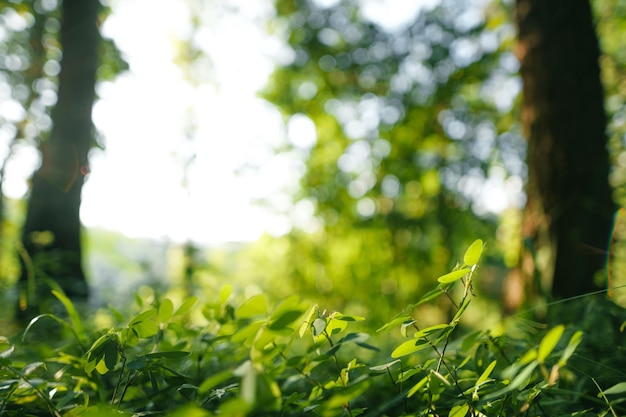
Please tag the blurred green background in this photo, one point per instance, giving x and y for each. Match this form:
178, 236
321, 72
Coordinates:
346, 151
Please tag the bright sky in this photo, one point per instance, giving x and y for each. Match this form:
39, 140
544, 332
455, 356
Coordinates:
137, 184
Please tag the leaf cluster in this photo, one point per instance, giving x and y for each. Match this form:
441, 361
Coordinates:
261, 358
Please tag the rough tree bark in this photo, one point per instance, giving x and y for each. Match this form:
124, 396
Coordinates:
569, 208
55, 196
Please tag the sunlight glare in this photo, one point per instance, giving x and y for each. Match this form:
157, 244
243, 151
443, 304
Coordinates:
139, 184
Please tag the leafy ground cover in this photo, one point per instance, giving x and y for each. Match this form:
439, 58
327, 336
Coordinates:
256, 357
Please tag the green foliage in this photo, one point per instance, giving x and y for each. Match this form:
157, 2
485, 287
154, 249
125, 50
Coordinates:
257, 357
389, 177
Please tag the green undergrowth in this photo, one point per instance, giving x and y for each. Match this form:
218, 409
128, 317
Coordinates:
254, 357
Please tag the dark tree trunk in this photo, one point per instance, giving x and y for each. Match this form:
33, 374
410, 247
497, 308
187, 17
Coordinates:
569, 208
56, 186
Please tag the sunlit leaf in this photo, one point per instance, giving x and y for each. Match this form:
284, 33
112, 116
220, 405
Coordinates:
619, 388
97, 347
393, 323
339, 316
472, 254
47, 315
247, 332
214, 380
166, 309
384, 367
77, 323
453, 276
459, 411
417, 386
308, 321
430, 295
409, 347
225, 292
7, 352
483, 377
573, 343
461, 310
430, 330
253, 306
186, 306
319, 325
520, 381
148, 314
31, 367
406, 325
145, 329
335, 326
406, 375
528, 357
101, 367
549, 342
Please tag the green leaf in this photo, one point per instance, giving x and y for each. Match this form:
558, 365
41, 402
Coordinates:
417, 386
394, 323
101, 367
459, 411
472, 254
145, 329
616, 389
142, 317
336, 325
282, 318
214, 380
430, 330
406, 325
51, 316
461, 310
308, 321
430, 295
165, 310
247, 332
319, 325
384, 367
253, 306
409, 347
573, 343
406, 375
549, 342
31, 367
110, 354
520, 381
483, 377
77, 324
97, 347
453, 276
186, 306
339, 316
225, 293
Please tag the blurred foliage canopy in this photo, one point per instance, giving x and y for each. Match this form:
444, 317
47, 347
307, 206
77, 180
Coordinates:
412, 123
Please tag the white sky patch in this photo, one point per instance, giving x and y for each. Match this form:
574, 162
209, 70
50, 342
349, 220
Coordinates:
394, 15
137, 184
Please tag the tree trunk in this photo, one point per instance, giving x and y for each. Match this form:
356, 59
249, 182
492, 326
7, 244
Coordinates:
569, 208
51, 234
